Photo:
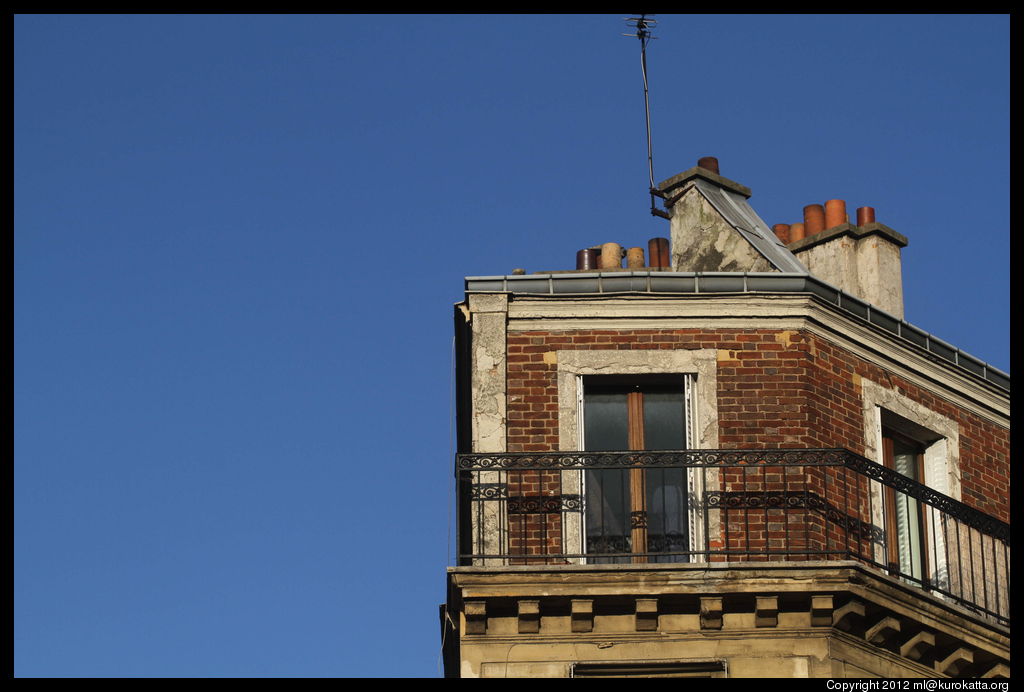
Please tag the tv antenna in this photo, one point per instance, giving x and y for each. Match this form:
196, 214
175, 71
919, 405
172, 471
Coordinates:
642, 26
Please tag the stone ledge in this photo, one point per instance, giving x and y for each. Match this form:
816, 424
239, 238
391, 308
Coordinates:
836, 599
856, 232
680, 179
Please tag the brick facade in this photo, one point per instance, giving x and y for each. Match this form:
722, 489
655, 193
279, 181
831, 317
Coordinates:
776, 389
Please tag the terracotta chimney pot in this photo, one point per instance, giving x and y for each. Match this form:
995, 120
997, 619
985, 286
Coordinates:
835, 213
611, 256
797, 232
865, 215
635, 258
782, 232
814, 219
708, 163
657, 252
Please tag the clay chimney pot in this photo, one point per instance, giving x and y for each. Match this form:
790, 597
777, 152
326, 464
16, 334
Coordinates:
835, 213
611, 256
708, 163
865, 215
814, 219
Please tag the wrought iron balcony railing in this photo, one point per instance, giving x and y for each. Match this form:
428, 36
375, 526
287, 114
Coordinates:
729, 505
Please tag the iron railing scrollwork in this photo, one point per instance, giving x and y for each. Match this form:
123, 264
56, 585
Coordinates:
735, 505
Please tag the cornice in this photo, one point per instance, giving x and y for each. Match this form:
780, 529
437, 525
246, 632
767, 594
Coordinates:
767, 311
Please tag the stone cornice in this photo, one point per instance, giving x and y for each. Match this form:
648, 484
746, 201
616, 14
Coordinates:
767, 311
856, 232
868, 608
672, 185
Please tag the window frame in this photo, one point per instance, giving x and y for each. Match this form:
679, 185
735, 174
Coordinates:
920, 566
700, 364
887, 409
635, 388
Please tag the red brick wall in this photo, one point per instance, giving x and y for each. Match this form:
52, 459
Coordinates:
834, 399
776, 389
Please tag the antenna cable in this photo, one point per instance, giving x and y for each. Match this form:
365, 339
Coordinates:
643, 24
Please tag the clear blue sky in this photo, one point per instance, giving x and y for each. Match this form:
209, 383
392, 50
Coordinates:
238, 240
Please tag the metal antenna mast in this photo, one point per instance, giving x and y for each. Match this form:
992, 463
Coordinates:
642, 25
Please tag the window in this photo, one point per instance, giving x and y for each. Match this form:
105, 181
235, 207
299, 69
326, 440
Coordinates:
635, 515
694, 372
923, 445
907, 545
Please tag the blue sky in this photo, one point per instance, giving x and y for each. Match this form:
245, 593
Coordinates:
237, 244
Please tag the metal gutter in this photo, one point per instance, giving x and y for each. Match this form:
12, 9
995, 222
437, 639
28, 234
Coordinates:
665, 283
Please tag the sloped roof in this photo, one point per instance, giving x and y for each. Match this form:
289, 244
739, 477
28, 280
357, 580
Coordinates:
735, 209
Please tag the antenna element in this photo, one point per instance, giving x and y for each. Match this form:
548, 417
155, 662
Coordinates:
643, 25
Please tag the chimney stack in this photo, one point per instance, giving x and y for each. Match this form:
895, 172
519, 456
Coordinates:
862, 260
704, 237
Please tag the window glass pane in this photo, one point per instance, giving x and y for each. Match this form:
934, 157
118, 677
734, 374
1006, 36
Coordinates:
666, 513
908, 519
607, 513
606, 427
605, 421
664, 419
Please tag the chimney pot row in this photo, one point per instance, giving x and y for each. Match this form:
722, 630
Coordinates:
818, 218
610, 256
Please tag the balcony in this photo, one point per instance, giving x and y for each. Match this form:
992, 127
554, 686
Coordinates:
730, 506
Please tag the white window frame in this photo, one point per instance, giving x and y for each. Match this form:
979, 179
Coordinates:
941, 464
698, 366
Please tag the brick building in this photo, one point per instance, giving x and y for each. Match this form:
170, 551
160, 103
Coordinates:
737, 460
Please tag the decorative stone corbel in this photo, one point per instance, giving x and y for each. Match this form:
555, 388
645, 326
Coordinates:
822, 607
882, 631
766, 611
917, 646
582, 614
956, 662
476, 617
529, 616
999, 670
646, 614
710, 613
848, 616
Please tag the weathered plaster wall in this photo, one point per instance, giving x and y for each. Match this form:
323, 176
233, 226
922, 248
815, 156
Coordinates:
881, 274
702, 241
862, 262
